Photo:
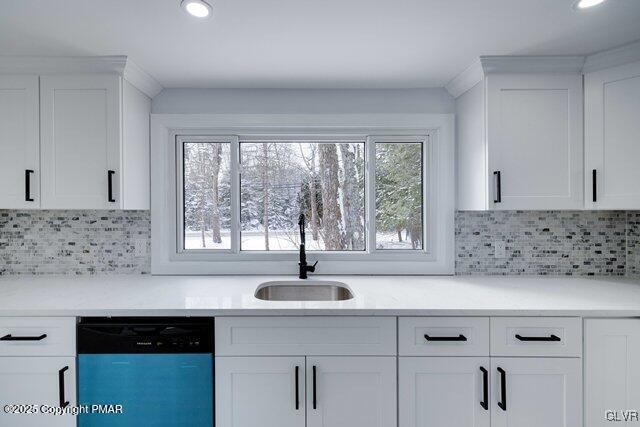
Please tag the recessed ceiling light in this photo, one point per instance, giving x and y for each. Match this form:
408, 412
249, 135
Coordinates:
197, 8
586, 4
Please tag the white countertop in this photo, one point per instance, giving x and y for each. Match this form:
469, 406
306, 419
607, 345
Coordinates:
129, 295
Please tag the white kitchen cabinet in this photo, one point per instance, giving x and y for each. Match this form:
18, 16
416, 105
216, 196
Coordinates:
534, 392
612, 138
94, 143
520, 139
444, 391
19, 142
534, 134
612, 370
37, 381
351, 392
260, 391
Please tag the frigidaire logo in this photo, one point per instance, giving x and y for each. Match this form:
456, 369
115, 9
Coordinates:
143, 343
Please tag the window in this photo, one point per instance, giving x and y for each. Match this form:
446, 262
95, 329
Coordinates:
227, 193
281, 179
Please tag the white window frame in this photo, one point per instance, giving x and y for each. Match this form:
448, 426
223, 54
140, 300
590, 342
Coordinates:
436, 133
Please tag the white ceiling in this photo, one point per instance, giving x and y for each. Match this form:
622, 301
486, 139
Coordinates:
312, 43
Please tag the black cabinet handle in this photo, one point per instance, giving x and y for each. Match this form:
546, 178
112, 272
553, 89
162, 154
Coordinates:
27, 185
458, 338
110, 185
297, 388
10, 337
498, 195
502, 404
594, 183
550, 338
485, 389
314, 388
63, 403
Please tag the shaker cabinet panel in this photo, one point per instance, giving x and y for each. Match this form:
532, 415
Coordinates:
443, 392
39, 381
19, 143
80, 141
534, 392
612, 138
612, 370
534, 137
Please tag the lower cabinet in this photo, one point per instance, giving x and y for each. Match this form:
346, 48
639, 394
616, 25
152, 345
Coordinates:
341, 391
444, 391
612, 372
351, 391
534, 392
40, 381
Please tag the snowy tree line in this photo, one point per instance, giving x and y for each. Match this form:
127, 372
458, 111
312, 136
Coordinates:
325, 181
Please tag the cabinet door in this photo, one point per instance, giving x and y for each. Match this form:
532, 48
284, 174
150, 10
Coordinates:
19, 142
534, 392
351, 392
37, 381
612, 369
444, 391
534, 135
259, 391
80, 141
612, 138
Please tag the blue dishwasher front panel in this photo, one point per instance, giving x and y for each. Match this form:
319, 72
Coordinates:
155, 390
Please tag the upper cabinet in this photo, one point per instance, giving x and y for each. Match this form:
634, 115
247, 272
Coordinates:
75, 135
534, 141
520, 138
612, 138
19, 142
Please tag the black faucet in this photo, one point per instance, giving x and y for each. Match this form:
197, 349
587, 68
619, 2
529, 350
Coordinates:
304, 268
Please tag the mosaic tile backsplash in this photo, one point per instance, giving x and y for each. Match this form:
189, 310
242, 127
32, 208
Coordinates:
633, 244
544, 242
548, 242
74, 242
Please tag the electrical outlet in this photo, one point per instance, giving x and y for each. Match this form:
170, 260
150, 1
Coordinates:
140, 247
500, 249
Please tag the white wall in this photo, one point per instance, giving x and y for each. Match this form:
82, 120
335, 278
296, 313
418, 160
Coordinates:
471, 150
299, 101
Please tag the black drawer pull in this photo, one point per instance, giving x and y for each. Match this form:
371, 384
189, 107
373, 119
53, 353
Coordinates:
458, 338
10, 337
110, 185
502, 404
27, 185
498, 195
297, 389
594, 183
550, 338
315, 405
63, 403
485, 389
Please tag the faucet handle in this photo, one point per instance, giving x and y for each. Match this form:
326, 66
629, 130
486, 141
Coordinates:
312, 268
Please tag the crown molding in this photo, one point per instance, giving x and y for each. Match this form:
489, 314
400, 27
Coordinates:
613, 57
465, 80
141, 79
115, 64
532, 64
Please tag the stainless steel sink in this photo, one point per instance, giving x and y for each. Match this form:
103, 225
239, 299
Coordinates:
312, 290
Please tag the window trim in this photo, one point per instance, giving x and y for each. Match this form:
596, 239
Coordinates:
436, 257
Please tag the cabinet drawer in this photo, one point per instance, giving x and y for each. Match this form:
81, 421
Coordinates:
319, 336
37, 336
443, 336
536, 336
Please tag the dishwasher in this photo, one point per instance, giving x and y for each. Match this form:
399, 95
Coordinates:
145, 372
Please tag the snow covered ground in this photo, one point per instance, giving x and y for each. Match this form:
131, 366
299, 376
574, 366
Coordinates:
279, 241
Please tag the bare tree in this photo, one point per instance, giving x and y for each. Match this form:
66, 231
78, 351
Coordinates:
353, 227
215, 204
265, 193
331, 216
